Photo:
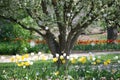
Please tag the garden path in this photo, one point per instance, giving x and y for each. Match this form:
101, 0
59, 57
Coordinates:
6, 58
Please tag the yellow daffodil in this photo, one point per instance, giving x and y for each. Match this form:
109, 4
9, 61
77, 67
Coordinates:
61, 57
94, 63
98, 61
83, 60
105, 63
44, 58
22, 57
55, 59
73, 60
26, 56
63, 61
27, 63
19, 64
56, 73
108, 61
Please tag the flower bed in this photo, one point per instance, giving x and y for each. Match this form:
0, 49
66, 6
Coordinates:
24, 67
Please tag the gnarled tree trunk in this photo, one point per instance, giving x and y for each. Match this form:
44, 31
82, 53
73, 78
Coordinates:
112, 34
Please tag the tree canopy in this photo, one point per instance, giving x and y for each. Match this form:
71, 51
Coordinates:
68, 17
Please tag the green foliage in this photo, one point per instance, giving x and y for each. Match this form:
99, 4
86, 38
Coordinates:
8, 48
10, 31
40, 47
21, 47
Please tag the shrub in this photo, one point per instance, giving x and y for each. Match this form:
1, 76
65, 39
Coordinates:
10, 31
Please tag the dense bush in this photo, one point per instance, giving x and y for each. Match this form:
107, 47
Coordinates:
20, 47
10, 31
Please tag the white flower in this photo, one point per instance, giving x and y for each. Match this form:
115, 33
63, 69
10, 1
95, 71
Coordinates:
93, 58
57, 55
116, 57
24, 66
68, 57
64, 54
39, 53
31, 63
32, 54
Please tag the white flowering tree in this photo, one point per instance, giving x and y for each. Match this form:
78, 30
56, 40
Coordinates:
59, 22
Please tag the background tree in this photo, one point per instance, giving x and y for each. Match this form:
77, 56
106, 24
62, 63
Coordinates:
69, 18
111, 17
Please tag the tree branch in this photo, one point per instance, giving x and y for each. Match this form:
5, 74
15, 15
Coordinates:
37, 19
44, 6
22, 25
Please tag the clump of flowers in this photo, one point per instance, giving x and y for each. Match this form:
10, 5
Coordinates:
62, 58
107, 62
22, 60
83, 59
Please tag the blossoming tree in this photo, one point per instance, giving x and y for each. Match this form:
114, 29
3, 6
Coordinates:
59, 22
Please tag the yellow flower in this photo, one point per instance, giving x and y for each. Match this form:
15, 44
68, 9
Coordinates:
55, 59
63, 61
83, 60
22, 57
73, 60
94, 63
98, 61
44, 58
19, 64
12, 59
18, 58
108, 61
61, 57
27, 63
105, 63
56, 73
26, 56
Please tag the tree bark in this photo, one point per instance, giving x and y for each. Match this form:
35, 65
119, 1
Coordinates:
112, 34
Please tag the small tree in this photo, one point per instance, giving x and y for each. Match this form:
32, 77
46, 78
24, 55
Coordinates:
68, 17
112, 20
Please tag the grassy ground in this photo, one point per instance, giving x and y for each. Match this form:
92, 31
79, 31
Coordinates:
48, 70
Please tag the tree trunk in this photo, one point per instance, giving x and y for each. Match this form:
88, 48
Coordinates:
112, 34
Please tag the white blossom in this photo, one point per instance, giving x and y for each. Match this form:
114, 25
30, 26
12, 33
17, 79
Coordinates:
39, 53
57, 55
64, 54
46, 28
32, 54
